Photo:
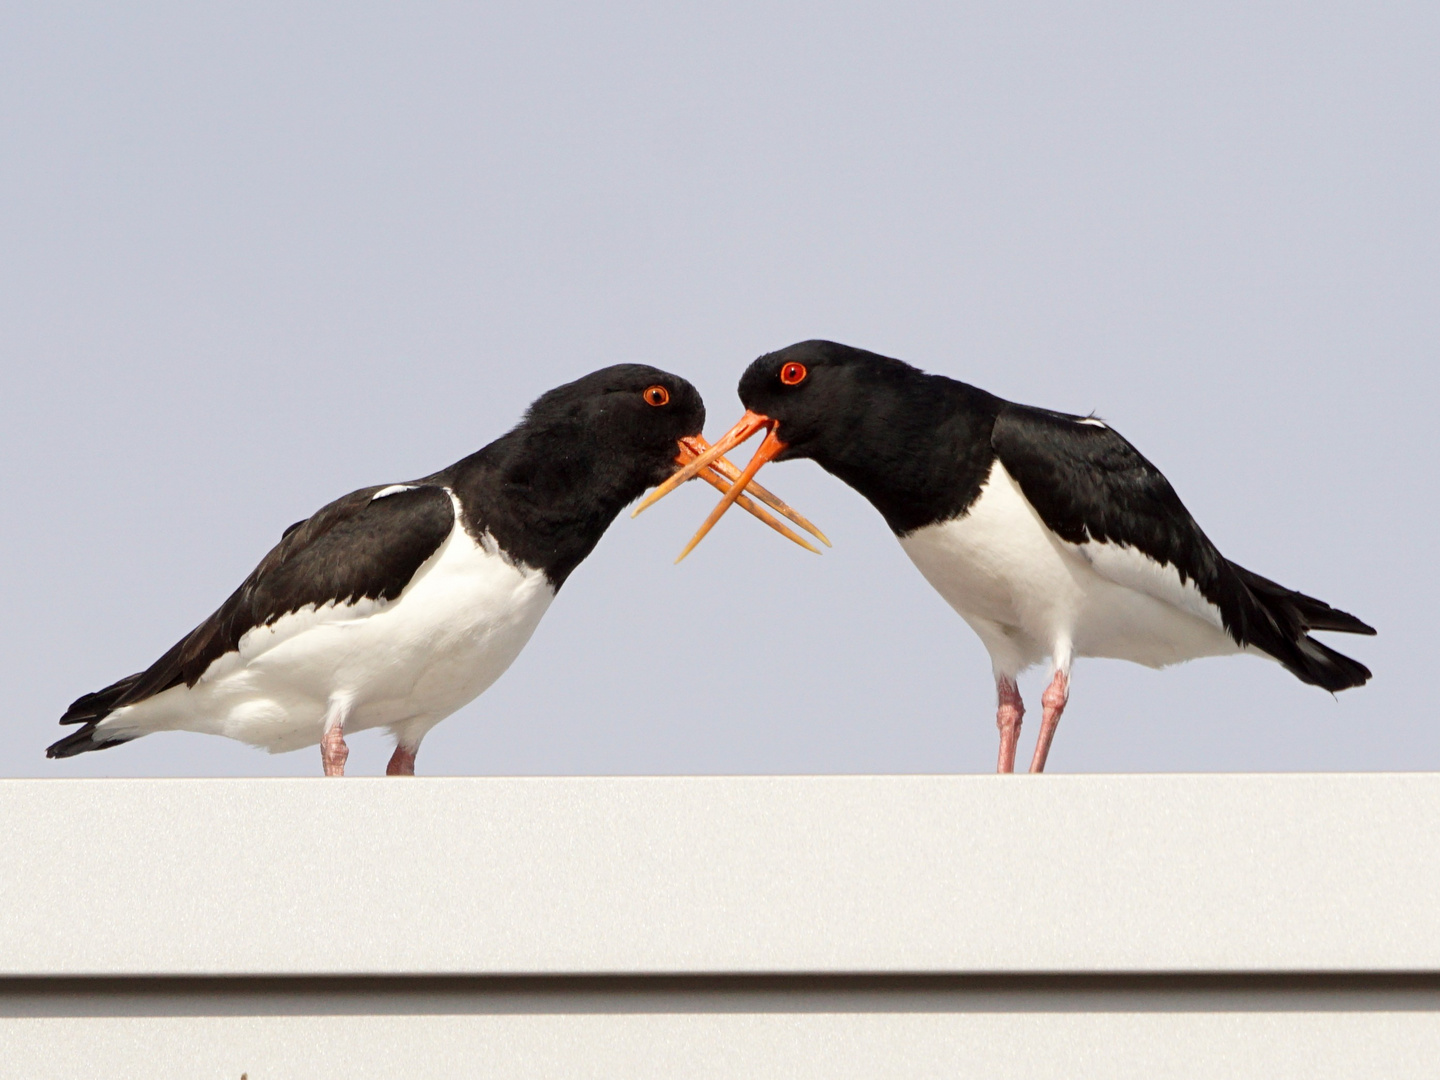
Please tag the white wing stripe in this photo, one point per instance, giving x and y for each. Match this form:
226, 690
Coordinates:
1133, 569
393, 489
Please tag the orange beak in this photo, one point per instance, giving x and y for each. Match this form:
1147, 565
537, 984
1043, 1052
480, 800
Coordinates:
709, 462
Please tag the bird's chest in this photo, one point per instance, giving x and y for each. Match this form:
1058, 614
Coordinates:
998, 562
469, 602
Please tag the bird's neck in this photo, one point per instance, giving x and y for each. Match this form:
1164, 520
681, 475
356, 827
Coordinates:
544, 508
918, 459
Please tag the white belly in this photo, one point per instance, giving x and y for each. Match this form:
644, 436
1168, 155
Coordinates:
1030, 595
406, 663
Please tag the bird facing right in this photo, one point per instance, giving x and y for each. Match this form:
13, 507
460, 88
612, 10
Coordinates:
1047, 532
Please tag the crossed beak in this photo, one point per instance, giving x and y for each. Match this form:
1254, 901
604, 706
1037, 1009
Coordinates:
698, 458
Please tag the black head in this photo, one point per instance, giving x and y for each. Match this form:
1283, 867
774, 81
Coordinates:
549, 489
821, 397
894, 433
623, 422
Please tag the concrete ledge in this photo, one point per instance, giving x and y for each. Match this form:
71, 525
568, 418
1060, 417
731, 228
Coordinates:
749, 875
797, 926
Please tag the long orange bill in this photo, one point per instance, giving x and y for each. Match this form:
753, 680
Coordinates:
768, 449
711, 476
698, 455
726, 468
749, 424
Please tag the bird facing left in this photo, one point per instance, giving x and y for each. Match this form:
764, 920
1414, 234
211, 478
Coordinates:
395, 605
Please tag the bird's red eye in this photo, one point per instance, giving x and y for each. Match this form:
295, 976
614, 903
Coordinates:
657, 395
791, 374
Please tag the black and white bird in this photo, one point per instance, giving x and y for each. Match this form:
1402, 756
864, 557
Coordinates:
1048, 533
399, 603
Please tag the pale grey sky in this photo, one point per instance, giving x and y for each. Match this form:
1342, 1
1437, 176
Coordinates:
257, 255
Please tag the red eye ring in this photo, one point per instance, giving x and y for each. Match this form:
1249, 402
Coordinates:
792, 374
656, 395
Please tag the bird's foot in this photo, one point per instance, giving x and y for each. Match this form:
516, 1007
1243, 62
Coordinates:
402, 763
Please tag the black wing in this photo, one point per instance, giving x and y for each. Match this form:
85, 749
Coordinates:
1088, 483
358, 547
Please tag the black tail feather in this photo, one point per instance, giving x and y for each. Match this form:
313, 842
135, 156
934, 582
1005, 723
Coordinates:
90, 709
1330, 669
1305, 612
1281, 623
79, 742
97, 706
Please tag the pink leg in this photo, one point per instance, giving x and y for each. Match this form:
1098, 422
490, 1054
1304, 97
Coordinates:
402, 762
1007, 718
1054, 699
333, 750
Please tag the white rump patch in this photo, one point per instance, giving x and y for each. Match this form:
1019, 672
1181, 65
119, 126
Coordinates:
1095, 421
